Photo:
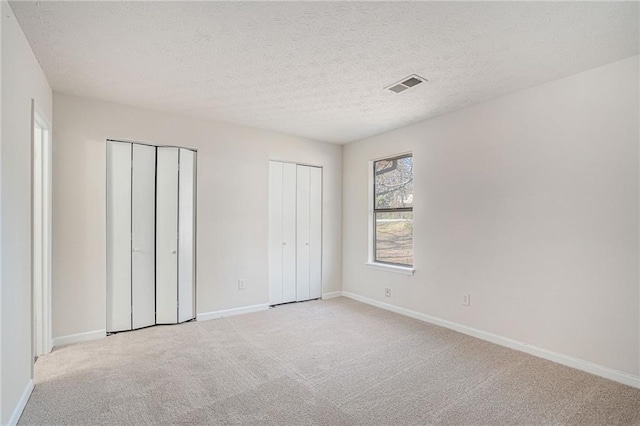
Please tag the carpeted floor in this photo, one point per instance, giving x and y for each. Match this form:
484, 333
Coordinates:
333, 362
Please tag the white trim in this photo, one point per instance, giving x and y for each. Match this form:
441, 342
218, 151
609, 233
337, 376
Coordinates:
41, 286
79, 337
569, 361
371, 256
22, 402
331, 295
297, 163
405, 270
391, 155
234, 311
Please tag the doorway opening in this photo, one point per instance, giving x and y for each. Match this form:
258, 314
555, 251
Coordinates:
41, 207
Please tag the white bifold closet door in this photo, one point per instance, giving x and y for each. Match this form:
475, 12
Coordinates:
118, 236
309, 231
130, 236
143, 234
295, 232
167, 237
175, 231
282, 232
151, 196
186, 236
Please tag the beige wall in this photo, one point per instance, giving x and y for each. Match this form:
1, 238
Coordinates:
232, 205
22, 81
528, 202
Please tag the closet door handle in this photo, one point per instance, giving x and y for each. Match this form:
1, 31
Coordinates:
284, 244
136, 250
173, 252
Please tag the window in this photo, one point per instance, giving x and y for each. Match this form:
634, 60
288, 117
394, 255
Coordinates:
393, 211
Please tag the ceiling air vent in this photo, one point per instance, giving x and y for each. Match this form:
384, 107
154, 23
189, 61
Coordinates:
406, 83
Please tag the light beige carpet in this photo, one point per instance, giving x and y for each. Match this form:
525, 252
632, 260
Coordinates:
334, 362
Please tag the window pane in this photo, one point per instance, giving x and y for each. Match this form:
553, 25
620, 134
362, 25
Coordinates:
394, 238
394, 183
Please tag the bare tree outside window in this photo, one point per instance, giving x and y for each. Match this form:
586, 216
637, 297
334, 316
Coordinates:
393, 210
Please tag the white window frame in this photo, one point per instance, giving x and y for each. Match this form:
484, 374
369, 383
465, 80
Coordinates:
371, 259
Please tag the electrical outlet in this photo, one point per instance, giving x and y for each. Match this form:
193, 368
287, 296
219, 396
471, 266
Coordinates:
242, 284
387, 292
466, 299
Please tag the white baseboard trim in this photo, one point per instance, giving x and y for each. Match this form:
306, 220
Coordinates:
79, 337
234, 311
17, 411
589, 367
331, 295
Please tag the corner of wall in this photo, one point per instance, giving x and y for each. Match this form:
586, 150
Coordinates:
22, 82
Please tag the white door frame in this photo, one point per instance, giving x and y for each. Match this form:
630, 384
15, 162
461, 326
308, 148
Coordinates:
41, 231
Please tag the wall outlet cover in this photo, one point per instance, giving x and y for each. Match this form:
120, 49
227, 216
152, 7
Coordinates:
466, 299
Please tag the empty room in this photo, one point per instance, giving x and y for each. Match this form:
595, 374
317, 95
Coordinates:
320, 213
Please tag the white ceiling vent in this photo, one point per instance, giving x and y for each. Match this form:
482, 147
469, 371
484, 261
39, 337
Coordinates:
405, 83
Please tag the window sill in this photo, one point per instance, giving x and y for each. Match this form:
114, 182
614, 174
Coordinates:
404, 270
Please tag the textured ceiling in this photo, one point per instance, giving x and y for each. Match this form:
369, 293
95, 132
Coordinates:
318, 69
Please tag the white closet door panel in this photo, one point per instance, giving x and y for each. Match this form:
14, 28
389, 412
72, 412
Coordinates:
186, 239
118, 236
315, 232
143, 235
302, 221
167, 236
275, 233
288, 232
